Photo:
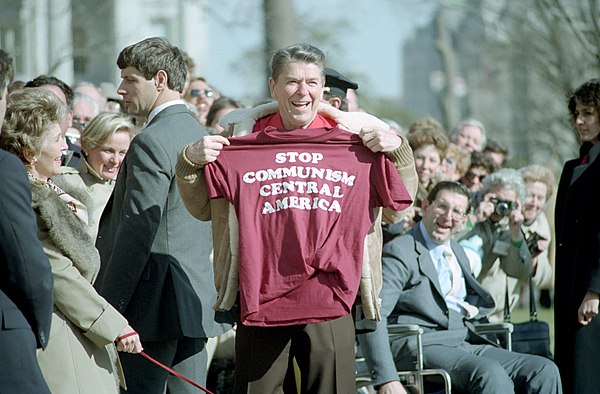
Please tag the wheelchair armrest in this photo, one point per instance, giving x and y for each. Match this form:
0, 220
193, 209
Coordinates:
404, 329
494, 328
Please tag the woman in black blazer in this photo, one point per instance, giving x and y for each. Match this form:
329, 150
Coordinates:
577, 288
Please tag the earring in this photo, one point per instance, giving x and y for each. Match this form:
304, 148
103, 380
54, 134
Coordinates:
33, 161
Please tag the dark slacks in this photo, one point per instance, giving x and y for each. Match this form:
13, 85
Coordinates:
187, 356
488, 369
324, 353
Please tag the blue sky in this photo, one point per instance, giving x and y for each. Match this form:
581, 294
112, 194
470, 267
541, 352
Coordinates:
367, 47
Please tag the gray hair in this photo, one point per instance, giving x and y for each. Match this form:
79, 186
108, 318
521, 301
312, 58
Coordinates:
539, 173
506, 178
473, 123
85, 97
297, 53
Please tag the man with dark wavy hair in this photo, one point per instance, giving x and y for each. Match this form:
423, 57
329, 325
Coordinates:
155, 256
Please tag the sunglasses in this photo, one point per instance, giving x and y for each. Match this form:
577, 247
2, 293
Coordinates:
208, 93
471, 175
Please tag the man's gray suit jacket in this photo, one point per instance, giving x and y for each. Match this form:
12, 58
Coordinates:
411, 294
155, 256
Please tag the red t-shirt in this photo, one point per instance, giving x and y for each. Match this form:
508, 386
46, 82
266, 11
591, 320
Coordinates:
303, 200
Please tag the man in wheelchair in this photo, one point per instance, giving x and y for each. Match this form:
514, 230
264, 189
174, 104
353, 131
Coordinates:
427, 281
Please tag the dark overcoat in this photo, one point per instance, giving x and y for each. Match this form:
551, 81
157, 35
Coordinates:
25, 284
577, 270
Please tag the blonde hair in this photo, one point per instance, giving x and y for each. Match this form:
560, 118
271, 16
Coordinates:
428, 131
30, 113
538, 173
462, 158
102, 128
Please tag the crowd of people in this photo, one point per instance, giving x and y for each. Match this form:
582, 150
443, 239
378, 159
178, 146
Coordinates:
178, 223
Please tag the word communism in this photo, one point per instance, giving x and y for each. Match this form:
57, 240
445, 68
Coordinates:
300, 186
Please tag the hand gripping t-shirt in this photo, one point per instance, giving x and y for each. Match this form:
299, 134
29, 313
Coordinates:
304, 200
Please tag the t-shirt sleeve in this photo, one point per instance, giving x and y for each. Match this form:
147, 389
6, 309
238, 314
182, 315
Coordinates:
217, 182
387, 187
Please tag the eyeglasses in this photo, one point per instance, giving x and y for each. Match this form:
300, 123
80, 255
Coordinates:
79, 124
471, 175
442, 209
208, 93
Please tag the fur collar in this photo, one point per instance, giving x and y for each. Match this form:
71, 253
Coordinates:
65, 230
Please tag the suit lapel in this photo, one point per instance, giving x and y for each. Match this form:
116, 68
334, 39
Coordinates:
483, 300
579, 170
426, 264
463, 261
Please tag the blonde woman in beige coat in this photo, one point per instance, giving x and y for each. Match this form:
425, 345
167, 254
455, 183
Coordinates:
81, 353
105, 141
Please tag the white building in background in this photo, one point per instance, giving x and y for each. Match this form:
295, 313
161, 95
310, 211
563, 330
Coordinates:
79, 40
37, 35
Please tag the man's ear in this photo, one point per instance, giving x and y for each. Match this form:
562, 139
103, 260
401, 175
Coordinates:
161, 80
272, 87
335, 102
464, 220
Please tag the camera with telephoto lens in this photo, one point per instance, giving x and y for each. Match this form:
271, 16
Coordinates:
503, 208
531, 240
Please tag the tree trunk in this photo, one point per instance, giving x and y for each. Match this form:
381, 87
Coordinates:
280, 28
449, 102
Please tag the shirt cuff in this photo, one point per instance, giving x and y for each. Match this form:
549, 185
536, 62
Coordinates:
402, 155
516, 244
185, 169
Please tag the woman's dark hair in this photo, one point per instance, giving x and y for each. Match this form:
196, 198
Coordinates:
587, 93
219, 104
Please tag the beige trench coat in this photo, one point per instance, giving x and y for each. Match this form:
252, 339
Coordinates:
81, 356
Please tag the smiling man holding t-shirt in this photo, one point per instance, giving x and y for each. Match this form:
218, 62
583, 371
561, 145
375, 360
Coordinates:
304, 191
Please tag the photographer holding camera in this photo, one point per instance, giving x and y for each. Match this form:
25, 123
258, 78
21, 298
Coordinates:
498, 232
540, 182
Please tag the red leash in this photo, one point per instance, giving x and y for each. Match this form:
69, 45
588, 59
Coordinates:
173, 372
163, 366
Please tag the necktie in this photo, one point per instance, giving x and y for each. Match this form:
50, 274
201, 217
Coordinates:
584, 152
449, 256
471, 310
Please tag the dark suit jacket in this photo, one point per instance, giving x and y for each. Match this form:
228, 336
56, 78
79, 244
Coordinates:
155, 256
577, 271
25, 277
411, 294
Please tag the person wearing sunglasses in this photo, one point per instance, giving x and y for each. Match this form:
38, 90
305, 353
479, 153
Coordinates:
202, 96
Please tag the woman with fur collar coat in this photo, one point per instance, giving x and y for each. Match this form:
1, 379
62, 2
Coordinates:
83, 323
81, 356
